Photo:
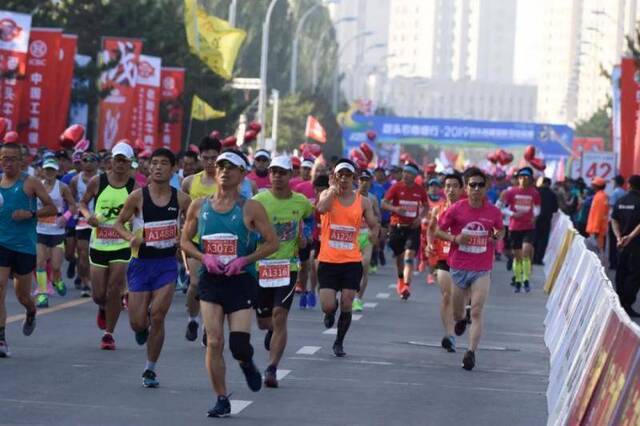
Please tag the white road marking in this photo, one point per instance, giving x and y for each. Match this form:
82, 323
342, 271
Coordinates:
370, 305
281, 374
382, 295
45, 311
356, 317
391, 286
331, 331
238, 405
308, 350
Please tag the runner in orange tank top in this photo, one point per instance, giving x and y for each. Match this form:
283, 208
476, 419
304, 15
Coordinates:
340, 267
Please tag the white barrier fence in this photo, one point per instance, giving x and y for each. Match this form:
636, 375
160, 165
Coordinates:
594, 347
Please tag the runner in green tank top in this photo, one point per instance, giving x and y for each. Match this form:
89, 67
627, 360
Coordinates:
109, 253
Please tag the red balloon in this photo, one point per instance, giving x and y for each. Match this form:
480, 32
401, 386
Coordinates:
250, 136
314, 149
492, 157
504, 157
82, 145
4, 125
194, 148
538, 164
366, 150
371, 135
215, 134
356, 155
295, 162
430, 169
73, 133
229, 141
138, 146
11, 136
530, 153
255, 126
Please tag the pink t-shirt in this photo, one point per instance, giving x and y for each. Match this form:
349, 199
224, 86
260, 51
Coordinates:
262, 182
522, 200
295, 181
477, 254
141, 180
306, 189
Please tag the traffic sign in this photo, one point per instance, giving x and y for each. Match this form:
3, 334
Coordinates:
246, 83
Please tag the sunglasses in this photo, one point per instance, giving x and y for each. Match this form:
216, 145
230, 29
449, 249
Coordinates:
477, 185
261, 159
278, 171
224, 164
90, 160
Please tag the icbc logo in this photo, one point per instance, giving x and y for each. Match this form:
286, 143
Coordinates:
145, 70
9, 30
38, 49
169, 83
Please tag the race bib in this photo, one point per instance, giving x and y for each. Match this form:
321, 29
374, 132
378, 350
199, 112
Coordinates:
82, 223
478, 242
342, 237
446, 247
107, 235
523, 203
274, 273
225, 246
161, 234
410, 207
49, 220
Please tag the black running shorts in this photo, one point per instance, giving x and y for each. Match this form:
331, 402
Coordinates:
403, 238
233, 293
520, 237
340, 276
19, 263
275, 297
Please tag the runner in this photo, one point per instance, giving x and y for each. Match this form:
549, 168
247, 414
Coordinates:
109, 253
278, 273
474, 224
365, 238
153, 269
523, 202
428, 258
260, 172
407, 203
227, 286
78, 187
51, 234
340, 269
439, 249
18, 213
380, 186
202, 184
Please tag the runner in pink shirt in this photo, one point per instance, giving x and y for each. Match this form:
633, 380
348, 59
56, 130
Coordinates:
260, 172
471, 225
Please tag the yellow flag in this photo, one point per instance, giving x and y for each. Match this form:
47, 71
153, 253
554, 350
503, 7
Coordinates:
212, 39
200, 110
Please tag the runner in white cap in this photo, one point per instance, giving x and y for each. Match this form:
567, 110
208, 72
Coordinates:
260, 172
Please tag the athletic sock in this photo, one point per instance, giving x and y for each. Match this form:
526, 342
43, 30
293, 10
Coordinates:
344, 321
526, 269
41, 278
517, 270
150, 366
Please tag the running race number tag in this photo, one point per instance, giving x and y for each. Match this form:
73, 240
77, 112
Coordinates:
225, 246
523, 203
274, 273
342, 237
82, 223
106, 235
477, 244
410, 207
161, 234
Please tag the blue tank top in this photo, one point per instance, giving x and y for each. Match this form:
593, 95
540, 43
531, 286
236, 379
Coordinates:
225, 234
245, 188
19, 235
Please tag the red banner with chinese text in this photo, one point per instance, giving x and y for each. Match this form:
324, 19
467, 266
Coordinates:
66, 64
39, 105
146, 107
171, 108
14, 43
629, 93
115, 111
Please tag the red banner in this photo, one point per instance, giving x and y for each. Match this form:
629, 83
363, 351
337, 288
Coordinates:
171, 108
39, 102
629, 93
115, 111
14, 42
66, 64
146, 107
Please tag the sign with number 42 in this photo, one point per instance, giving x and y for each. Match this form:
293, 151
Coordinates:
598, 164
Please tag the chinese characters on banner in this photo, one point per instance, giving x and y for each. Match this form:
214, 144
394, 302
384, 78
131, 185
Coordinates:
66, 64
14, 42
629, 93
146, 106
115, 111
39, 100
171, 104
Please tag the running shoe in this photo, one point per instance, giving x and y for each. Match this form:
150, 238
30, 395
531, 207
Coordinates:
468, 313
221, 409
85, 292
42, 300
267, 339
149, 379
251, 373
270, 377
4, 349
61, 289
77, 283
527, 287
513, 281
108, 343
405, 293
141, 338
469, 361
357, 305
517, 287
430, 279
311, 300
460, 327
449, 343
192, 331
101, 319
298, 288
373, 269
399, 286
29, 324
303, 301
338, 350
329, 320
71, 269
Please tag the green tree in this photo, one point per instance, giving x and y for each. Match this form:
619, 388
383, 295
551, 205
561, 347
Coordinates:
598, 125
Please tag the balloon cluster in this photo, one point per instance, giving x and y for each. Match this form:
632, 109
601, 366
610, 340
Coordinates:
73, 138
231, 141
500, 156
530, 156
362, 156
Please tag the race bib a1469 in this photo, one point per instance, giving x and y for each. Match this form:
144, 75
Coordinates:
342, 237
225, 246
274, 273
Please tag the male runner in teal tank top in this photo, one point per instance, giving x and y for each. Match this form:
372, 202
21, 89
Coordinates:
227, 286
18, 193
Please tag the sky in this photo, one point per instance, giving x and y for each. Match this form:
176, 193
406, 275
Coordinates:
528, 35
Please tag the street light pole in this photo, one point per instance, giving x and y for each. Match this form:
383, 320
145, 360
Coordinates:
232, 12
294, 48
336, 82
264, 56
316, 52
357, 65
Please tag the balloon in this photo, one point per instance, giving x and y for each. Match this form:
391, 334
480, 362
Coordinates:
530, 153
71, 135
11, 136
194, 148
4, 125
255, 126
366, 150
250, 136
371, 135
229, 141
493, 157
138, 145
504, 157
146, 153
214, 134
430, 169
538, 164
314, 149
82, 145
358, 157
295, 162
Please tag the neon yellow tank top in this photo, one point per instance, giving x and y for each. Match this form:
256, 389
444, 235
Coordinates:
198, 189
109, 202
